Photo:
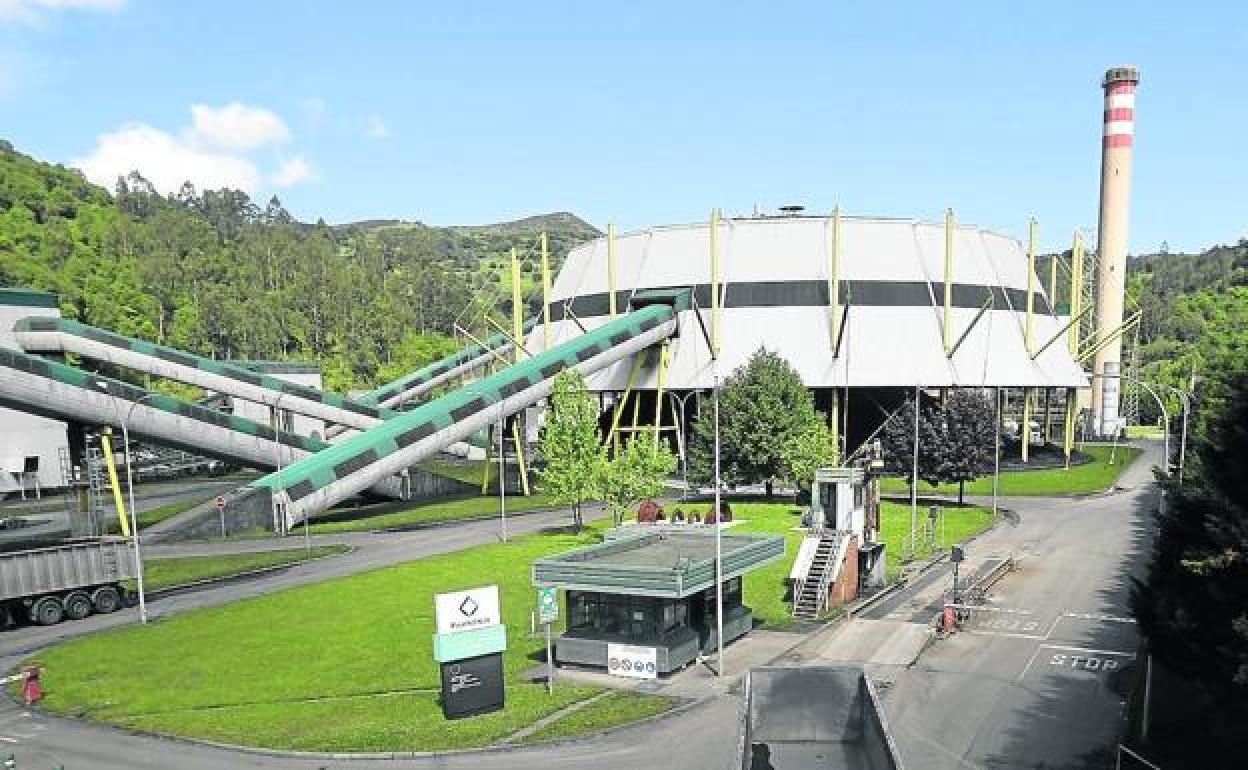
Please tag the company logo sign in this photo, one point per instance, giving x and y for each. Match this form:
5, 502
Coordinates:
467, 610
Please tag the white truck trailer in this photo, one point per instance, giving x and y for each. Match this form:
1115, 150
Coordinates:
71, 580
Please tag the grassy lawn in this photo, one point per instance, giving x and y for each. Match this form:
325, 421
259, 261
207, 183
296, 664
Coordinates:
616, 708
1094, 476
383, 515
959, 525
468, 471
345, 664
1144, 431
163, 573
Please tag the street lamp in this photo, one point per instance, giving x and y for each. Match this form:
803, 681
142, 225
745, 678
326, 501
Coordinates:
134, 519
1165, 416
680, 399
719, 559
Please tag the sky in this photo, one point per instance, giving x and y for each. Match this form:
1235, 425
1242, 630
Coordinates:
645, 113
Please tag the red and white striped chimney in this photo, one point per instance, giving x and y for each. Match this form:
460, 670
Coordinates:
1119, 131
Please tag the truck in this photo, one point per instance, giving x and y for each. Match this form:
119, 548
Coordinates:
71, 580
811, 717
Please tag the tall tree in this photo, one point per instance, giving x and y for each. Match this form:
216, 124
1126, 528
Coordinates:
967, 421
573, 458
764, 407
634, 474
1191, 606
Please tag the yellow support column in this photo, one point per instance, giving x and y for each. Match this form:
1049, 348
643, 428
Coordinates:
1024, 430
611, 269
834, 279
945, 328
517, 309
1076, 290
714, 283
1031, 283
485, 472
619, 407
106, 445
545, 292
658, 396
524, 472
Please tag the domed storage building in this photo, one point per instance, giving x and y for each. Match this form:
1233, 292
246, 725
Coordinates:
855, 304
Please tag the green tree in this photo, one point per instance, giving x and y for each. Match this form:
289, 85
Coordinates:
573, 458
634, 474
897, 442
1191, 605
763, 408
968, 447
809, 450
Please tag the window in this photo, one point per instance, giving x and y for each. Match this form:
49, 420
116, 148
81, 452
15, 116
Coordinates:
857, 496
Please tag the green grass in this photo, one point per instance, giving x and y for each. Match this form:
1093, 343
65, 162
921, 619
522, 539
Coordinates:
381, 516
345, 664
960, 523
163, 573
613, 709
1144, 431
1094, 476
468, 471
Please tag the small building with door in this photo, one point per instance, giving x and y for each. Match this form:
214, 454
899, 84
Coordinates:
653, 587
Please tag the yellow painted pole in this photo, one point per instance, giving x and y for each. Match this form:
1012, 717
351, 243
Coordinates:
658, 396
714, 283
611, 269
1076, 290
945, 329
1031, 282
485, 472
1048, 403
834, 277
545, 292
628, 388
517, 309
106, 445
1068, 438
1025, 429
524, 473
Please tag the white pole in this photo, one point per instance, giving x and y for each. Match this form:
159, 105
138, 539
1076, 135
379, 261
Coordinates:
502, 474
719, 560
996, 453
914, 476
134, 519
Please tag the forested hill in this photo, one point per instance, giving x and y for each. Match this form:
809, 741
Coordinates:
1194, 316
214, 272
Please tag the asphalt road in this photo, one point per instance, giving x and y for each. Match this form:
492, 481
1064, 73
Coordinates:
1040, 681
998, 696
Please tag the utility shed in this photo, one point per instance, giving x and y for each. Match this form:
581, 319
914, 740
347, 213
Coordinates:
653, 588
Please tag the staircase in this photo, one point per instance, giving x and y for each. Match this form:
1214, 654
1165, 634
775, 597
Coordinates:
810, 591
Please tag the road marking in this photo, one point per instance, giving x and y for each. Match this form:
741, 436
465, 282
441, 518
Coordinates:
1007, 634
1095, 616
981, 608
7, 739
1089, 651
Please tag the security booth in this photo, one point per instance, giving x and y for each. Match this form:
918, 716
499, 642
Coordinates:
653, 587
841, 557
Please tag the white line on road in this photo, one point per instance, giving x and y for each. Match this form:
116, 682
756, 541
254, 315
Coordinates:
1089, 651
1095, 616
1006, 633
7, 739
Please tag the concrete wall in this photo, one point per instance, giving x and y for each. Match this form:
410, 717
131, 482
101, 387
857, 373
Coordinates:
845, 589
24, 435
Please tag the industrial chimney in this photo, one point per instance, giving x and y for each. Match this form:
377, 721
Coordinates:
1119, 85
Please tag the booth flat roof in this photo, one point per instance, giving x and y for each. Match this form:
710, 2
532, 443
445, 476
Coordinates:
659, 561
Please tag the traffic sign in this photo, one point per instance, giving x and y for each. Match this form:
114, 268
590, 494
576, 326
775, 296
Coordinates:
219, 502
547, 605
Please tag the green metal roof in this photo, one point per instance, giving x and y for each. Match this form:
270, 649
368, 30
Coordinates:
669, 562
11, 297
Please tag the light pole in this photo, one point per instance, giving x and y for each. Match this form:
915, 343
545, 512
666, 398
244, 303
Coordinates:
1185, 397
1165, 416
719, 560
914, 476
996, 452
502, 472
679, 399
134, 519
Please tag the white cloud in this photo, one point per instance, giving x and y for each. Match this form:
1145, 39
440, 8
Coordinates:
34, 12
218, 149
293, 171
165, 160
236, 126
375, 127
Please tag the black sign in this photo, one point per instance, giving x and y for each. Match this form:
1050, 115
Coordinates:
472, 686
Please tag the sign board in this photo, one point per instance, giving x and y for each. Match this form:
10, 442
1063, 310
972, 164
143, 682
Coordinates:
467, 610
219, 502
547, 605
469, 644
472, 686
632, 662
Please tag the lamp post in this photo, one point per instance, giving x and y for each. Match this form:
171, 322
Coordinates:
502, 471
134, 519
719, 559
914, 476
1165, 416
680, 399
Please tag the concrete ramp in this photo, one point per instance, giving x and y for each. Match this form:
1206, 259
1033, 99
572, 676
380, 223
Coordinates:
810, 717
879, 642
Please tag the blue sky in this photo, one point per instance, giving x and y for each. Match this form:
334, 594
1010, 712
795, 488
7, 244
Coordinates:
646, 113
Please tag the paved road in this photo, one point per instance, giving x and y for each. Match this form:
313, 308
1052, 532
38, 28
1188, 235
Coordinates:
993, 698
1040, 682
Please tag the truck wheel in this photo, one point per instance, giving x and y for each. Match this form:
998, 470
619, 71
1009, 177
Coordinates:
77, 605
106, 599
48, 611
